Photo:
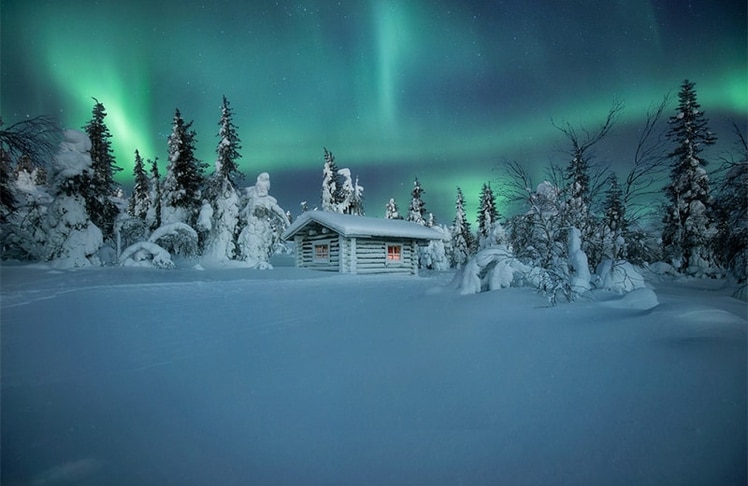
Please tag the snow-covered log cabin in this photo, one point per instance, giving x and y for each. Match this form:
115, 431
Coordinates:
357, 244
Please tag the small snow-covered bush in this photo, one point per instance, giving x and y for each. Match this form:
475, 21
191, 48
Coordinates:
491, 269
433, 256
619, 276
579, 278
180, 238
146, 254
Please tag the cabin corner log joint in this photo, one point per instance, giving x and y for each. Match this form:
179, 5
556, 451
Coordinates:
357, 244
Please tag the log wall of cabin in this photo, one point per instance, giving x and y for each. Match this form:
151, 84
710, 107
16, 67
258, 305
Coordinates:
354, 255
371, 256
305, 250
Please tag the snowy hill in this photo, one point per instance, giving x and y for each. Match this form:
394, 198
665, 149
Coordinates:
139, 376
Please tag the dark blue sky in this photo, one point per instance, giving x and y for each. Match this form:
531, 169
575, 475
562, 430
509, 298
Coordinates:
442, 90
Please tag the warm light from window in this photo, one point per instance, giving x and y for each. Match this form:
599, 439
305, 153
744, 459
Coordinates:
321, 253
394, 253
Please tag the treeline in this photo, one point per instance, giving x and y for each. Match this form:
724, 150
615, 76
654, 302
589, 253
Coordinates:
61, 202
582, 212
703, 231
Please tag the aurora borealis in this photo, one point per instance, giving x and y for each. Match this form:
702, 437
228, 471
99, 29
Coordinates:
441, 89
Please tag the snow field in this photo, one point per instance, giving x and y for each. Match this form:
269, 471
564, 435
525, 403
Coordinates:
139, 376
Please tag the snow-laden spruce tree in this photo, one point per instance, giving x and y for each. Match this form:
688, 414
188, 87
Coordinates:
612, 228
131, 226
490, 230
331, 184
357, 199
181, 192
223, 192
688, 226
101, 187
487, 214
72, 238
264, 222
153, 215
391, 211
140, 201
350, 194
462, 237
417, 208
345, 191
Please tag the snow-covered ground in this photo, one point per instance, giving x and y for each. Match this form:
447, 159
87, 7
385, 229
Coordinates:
237, 376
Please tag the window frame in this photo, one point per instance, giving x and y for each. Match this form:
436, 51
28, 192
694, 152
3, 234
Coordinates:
399, 252
315, 255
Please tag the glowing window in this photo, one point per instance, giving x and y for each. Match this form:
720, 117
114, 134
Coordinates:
394, 253
322, 253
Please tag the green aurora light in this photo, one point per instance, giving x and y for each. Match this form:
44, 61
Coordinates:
442, 90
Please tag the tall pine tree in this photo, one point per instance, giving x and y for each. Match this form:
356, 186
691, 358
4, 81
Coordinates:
224, 194
462, 238
227, 168
688, 225
153, 217
613, 225
417, 208
391, 211
140, 201
184, 175
488, 216
357, 200
331, 184
101, 185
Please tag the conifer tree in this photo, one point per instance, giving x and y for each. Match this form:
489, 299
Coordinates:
391, 211
184, 175
101, 186
331, 184
462, 238
688, 221
346, 191
140, 201
357, 199
227, 169
153, 216
72, 239
224, 195
417, 208
488, 215
613, 227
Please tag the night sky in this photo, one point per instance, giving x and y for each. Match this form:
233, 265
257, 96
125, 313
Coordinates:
439, 89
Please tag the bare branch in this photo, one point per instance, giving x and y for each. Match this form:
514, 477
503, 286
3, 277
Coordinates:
581, 145
37, 138
649, 164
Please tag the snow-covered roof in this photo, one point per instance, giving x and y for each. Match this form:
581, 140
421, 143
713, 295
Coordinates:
350, 225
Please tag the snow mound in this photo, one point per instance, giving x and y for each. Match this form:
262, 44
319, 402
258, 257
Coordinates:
619, 277
490, 269
662, 268
709, 316
638, 299
700, 323
146, 254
